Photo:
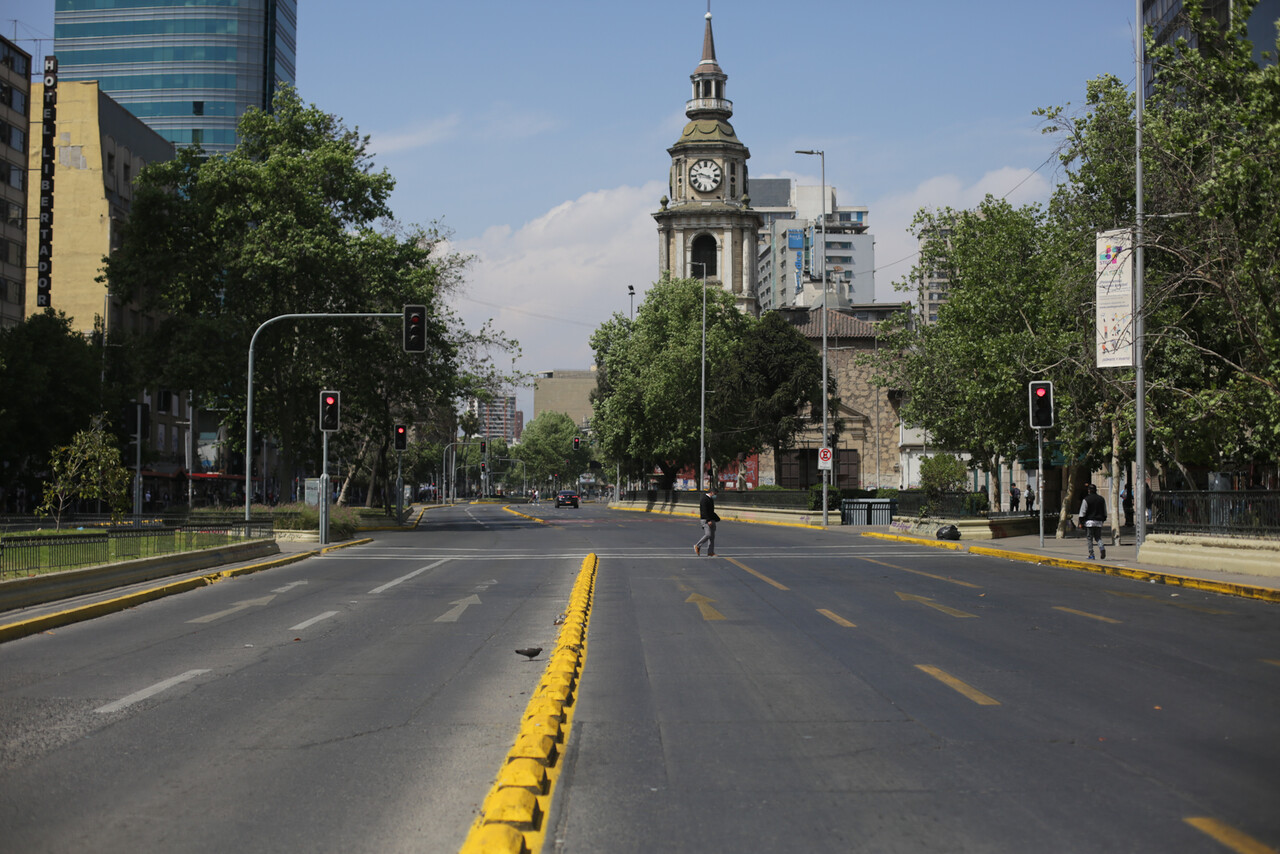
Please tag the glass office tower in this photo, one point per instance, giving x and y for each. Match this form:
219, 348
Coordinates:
188, 68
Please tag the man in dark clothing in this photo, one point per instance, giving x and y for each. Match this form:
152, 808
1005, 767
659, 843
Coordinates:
1093, 512
708, 517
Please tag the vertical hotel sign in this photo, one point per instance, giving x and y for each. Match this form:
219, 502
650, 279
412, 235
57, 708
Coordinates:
1113, 298
48, 157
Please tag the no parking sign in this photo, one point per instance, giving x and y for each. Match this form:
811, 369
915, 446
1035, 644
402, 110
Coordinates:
824, 459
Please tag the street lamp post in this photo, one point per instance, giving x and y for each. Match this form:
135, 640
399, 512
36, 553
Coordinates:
822, 223
702, 423
631, 292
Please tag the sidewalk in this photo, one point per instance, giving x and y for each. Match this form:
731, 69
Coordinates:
1072, 552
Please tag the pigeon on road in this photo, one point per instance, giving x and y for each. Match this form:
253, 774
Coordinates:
530, 652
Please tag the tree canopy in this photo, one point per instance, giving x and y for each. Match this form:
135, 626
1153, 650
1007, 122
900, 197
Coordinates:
295, 220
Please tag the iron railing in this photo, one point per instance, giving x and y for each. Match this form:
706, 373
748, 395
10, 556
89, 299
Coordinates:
32, 554
1223, 514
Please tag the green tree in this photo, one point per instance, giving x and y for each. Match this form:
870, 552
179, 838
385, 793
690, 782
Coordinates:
647, 404
768, 391
50, 388
546, 447
88, 469
295, 220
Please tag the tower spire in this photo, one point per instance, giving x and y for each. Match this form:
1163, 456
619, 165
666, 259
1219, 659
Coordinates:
708, 79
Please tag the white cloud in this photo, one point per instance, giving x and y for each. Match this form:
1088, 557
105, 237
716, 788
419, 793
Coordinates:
419, 135
891, 215
551, 282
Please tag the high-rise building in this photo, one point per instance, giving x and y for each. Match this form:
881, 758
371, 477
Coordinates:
498, 417
792, 259
15, 119
188, 68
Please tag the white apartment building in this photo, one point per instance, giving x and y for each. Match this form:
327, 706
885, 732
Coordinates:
798, 244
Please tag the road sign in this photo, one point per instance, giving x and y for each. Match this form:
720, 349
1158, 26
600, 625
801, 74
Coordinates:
824, 459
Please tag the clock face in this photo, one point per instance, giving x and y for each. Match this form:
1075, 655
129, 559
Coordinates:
705, 176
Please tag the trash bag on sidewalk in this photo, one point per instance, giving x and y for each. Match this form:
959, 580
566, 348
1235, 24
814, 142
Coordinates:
948, 532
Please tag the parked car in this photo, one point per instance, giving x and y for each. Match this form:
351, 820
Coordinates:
566, 497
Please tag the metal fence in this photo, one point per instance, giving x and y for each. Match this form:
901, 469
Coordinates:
1223, 514
29, 554
867, 511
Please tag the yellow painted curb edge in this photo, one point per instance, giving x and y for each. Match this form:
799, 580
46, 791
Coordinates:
35, 625
917, 541
507, 507
509, 821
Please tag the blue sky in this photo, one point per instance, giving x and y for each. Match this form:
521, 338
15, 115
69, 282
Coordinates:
538, 132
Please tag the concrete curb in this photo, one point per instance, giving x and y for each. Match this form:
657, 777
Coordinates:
729, 519
1226, 588
525, 515
35, 625
513, 818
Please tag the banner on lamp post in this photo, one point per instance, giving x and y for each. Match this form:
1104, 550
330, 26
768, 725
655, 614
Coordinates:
1113, 299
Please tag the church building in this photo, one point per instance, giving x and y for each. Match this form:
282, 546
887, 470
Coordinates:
706, 227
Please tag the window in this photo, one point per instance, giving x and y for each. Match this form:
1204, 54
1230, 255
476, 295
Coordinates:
197, 108
704, 253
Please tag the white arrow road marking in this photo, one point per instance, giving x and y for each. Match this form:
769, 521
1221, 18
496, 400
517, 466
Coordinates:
239, 606
139, 696
309, 623
483, 586
452, 615
384, 588
289, 587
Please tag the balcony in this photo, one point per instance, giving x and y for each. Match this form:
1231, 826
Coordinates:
701, 105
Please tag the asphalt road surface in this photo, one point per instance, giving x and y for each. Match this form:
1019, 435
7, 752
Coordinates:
802, 691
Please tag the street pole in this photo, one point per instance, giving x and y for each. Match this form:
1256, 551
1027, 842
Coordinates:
1139, 324
1040, 477
822, 224
324, 491
248, 409
702, 422
399, 487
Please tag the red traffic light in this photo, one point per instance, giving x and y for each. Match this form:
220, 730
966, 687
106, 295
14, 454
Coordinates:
1041, 391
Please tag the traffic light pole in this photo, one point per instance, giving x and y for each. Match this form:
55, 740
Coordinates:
324, 492
399, 487
248, 410
1040, 477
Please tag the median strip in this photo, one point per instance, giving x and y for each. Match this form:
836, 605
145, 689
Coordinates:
513, 817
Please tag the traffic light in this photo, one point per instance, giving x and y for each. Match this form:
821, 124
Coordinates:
402, 437
415, 328
577, 442
330, 401
1041, 402
483, 445
483, 467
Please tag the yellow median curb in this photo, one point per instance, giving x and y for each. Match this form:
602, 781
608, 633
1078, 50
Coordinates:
35, 625
513, 819
918, 541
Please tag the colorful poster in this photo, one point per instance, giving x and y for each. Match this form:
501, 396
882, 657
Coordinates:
1113, 299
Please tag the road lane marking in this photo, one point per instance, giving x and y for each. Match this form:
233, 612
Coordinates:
924, 600
1084, 614
239, 606
309, 623
1238, 841
704, 606
925, 574
460, 605
139, 696
836, 618
289, 587
952, 682
1275, 661
384, 588
766, 579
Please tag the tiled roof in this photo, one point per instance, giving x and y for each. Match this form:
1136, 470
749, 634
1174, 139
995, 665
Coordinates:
839, 325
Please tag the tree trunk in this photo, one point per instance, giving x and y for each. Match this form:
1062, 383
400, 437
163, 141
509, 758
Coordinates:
1072, 487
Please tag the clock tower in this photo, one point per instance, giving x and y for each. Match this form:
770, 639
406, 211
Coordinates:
706, 226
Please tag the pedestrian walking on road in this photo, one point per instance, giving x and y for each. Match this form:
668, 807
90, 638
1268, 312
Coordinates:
707, 515
1093, 512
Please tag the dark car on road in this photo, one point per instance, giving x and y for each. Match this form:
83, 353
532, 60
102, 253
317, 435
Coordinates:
566, 497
